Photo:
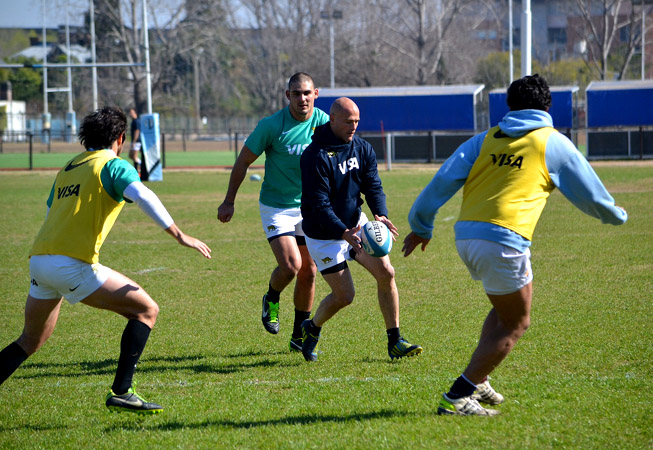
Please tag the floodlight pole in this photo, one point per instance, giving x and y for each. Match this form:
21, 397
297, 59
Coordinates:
643, 42
45, 62
146, 45
70, 75
510, 49
93, 59
526, 38
330, 16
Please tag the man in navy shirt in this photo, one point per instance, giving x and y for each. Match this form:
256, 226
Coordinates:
336, 169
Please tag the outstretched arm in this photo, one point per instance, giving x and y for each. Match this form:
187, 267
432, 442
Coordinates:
238, 173
577, 181
150, 204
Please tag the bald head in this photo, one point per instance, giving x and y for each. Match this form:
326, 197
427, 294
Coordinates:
343, 118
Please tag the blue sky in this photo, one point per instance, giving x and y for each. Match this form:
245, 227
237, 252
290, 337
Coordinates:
29, 13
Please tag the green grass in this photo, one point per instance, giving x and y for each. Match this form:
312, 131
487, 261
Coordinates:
580, 377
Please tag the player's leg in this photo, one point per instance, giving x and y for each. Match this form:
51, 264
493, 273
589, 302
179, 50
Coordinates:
40, 319
384, 274
507, 278
289, 263
507, 321
342, 293
125, 297
304, 293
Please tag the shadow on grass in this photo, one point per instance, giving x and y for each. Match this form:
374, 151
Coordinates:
292, 420
149, 365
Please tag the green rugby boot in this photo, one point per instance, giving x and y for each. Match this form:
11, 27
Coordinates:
131, 402
270, 316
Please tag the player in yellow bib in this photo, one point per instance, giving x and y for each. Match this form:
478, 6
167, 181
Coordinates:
86, 198
283, 137
507, 174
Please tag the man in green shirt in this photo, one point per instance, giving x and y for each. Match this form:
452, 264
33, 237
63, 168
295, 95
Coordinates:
283, 136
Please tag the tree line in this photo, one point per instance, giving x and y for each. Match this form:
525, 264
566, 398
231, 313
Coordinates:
232, 58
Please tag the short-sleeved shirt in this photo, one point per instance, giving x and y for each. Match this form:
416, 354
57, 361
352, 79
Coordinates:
283, 139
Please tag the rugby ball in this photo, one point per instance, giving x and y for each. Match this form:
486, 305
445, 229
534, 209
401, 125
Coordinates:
376, 238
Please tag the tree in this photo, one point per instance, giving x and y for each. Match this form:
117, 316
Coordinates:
604, 22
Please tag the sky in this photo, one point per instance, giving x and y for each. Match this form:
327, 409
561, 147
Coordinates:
29, 13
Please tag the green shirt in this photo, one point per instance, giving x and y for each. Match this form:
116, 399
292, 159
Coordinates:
283, 139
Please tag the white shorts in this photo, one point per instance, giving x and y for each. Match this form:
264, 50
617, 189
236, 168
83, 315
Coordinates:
280, 222
136, 146
502, 269
328, 253
56, 276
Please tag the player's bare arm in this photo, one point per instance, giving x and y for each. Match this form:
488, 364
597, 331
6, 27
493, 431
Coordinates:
188, 241
412, 241
238, 173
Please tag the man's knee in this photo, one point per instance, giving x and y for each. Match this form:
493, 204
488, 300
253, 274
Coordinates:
343, 299
148, 313
307, 273
386, 273
290, 267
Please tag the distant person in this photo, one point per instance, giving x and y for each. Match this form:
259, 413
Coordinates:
283, 137
136, 146
336, 169
507, 174
85, 201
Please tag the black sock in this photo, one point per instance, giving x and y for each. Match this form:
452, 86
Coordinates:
300, 316
273, 296
462, 387
393, 336
11, 358
132, 344
313, 329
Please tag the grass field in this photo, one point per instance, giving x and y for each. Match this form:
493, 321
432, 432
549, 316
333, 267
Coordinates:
580, 378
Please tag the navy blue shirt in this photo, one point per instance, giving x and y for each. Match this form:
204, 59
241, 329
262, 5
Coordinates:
334, 175
136, 125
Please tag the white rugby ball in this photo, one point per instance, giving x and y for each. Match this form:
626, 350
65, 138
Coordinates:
376, 238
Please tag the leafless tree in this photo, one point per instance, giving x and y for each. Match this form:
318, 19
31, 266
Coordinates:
602, 22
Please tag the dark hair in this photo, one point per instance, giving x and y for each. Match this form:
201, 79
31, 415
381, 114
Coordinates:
298, 78
530, 92
102, 127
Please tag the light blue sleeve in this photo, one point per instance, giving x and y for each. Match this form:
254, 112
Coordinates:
577, 181
446, 182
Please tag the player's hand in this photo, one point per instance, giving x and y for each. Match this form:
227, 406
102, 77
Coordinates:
412, 241
393, 230
351, 236
225, 212
189, 241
